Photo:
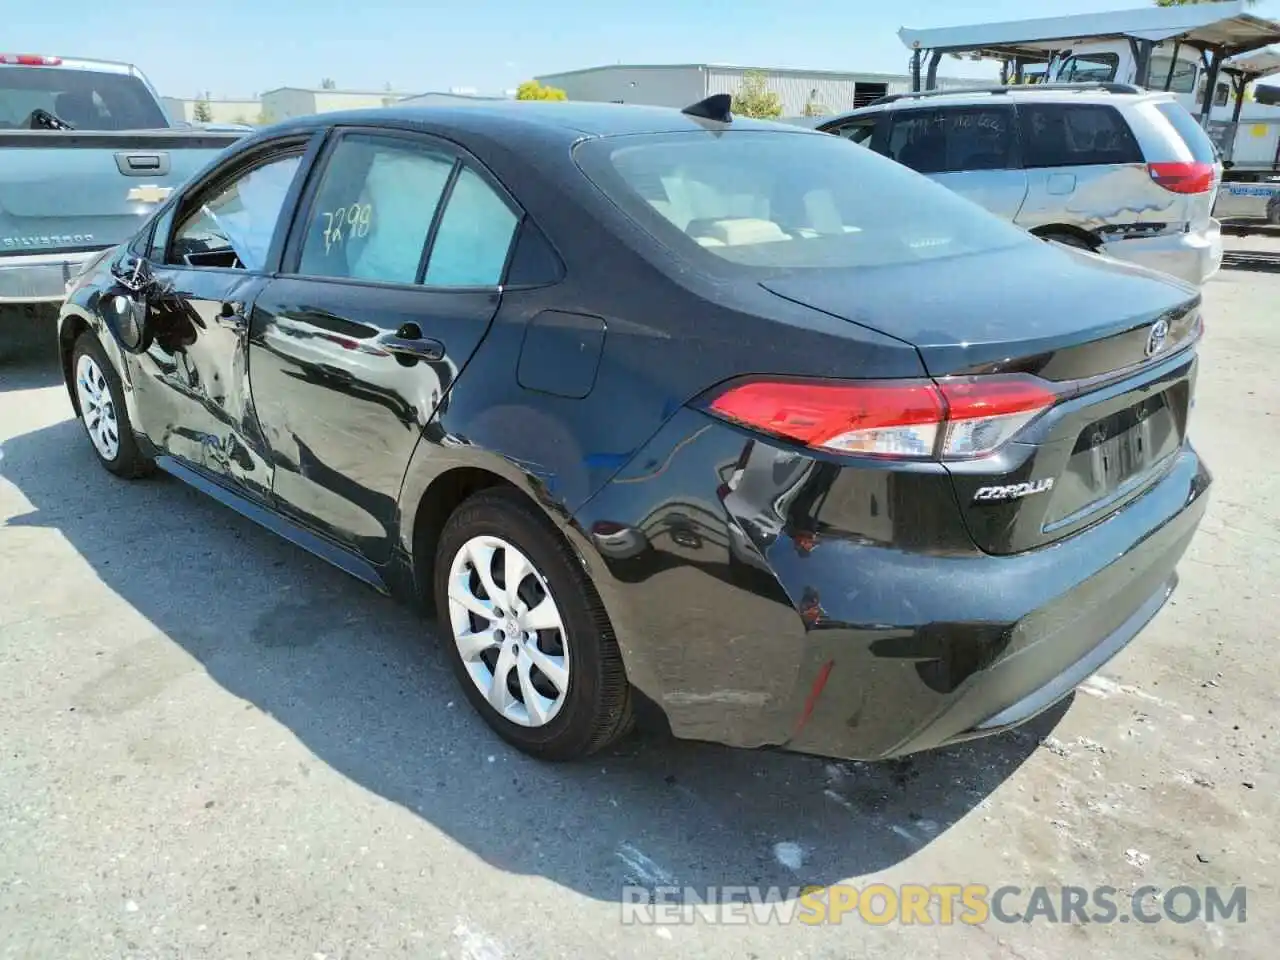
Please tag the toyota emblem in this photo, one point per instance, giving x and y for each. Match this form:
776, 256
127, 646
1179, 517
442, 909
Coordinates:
1157, 337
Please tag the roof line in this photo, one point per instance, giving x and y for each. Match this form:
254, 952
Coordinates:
801, 71
362, 93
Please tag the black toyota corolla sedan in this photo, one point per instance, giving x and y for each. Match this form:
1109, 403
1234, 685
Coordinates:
731, 427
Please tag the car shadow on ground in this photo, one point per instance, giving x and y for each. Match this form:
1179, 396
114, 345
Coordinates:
28, 351
358, 680
1263, 261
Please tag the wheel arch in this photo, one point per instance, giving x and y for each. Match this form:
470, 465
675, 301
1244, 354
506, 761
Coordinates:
430, 496
437, 501
71, 324
1049, 231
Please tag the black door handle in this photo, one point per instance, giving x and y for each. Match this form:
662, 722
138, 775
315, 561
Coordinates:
417, 348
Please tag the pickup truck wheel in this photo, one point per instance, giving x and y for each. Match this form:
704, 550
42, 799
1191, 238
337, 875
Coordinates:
526, 633
102, 410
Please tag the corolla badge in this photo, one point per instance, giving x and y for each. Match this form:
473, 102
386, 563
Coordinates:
1157, 338
1013, 491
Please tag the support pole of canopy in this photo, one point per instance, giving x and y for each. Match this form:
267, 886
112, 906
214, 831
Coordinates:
932, 82
1173, 63
1141, 50
1211, 83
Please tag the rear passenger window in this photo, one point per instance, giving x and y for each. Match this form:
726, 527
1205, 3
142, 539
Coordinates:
470, 248
1074, 135
373, 209
953, 139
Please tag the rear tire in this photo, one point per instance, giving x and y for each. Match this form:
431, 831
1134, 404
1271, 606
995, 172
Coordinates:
102, 411
1069, 240
540, 663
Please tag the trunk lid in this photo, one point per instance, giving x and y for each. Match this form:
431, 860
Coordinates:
1112, 339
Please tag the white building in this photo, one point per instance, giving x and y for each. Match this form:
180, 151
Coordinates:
680, 84
181, 109
285, 102
441, 98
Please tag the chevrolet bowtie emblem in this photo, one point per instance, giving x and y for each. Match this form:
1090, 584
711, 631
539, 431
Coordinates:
149, 194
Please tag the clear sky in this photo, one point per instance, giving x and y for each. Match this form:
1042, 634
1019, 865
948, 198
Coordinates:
238, 48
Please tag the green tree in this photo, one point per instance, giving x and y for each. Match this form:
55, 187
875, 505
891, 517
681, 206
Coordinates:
1188, 3
533, 90
328, 84
203, 113
755, 99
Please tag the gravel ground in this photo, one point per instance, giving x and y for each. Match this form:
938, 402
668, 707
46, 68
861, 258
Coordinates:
214, 746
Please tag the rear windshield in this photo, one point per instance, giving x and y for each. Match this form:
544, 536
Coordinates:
780, 201
86, 99
1198, 142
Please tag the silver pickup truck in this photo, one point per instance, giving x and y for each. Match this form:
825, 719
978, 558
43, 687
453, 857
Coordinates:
86, 152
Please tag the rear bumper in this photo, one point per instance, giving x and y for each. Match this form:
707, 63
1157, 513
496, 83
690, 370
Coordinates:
851, 641
1193, 257
40, 277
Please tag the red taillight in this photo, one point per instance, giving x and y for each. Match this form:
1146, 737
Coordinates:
1183, 177
954, 418
30, 59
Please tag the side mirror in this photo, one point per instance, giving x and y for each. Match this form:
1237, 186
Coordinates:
123, 305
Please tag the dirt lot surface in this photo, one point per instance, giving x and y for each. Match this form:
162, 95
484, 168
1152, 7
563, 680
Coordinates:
214, 746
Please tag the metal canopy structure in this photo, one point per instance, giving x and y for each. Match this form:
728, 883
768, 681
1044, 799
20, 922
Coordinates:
1224, 28
1261, 64
1220, 32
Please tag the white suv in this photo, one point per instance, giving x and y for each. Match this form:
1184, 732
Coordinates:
1107, 167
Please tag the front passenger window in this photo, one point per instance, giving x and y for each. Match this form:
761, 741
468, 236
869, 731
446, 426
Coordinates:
232, 228
859, 131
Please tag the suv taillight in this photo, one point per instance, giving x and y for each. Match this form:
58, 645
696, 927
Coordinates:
949, 419
1183, 177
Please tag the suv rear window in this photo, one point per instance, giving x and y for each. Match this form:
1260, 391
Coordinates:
786, 200
86, 99
1075, 135
1197, 141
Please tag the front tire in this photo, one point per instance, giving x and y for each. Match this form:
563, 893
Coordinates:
102, 410
526, 633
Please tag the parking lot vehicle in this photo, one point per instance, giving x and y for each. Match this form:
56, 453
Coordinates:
716, 424
86, 154
1104, 167
1209, 56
